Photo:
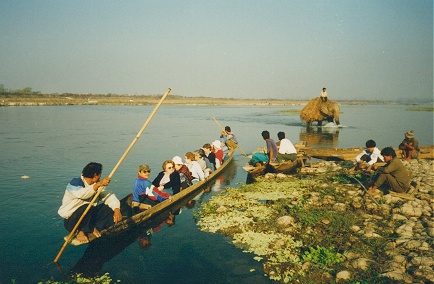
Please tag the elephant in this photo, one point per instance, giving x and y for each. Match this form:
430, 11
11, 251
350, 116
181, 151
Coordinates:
317, 110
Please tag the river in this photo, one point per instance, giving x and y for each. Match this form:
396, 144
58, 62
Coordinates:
51, 145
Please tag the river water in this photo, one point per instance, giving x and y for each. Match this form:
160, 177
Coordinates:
52, 144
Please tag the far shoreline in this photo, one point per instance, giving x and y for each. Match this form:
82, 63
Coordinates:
14, 99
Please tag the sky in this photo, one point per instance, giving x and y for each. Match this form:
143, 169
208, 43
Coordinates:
269, 49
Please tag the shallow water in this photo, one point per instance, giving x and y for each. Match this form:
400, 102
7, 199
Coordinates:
52, 144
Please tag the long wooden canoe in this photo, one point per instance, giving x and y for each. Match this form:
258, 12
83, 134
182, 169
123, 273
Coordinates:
177, 201
339, 154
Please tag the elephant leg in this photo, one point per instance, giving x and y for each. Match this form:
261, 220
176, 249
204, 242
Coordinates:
319, 122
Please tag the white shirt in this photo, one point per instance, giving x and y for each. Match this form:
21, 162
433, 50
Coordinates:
374, 156
196, 170
286, 147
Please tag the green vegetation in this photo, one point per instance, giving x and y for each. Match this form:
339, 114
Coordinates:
78, 278
317, 231
431, 109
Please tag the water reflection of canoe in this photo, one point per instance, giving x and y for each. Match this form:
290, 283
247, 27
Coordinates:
161, 210
339, 154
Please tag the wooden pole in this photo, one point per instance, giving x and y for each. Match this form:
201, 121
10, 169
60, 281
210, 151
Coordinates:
238, 146
100, 189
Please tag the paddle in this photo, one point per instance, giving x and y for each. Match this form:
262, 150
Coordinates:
238, 146
111, 174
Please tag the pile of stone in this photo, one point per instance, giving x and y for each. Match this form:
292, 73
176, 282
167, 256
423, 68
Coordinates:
409, 216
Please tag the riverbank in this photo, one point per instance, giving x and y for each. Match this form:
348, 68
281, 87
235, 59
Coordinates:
318, 226
119, 100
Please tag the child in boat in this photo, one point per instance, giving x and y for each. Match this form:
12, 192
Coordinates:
366, 160
409, 146
218, 152
145, 194
286, 150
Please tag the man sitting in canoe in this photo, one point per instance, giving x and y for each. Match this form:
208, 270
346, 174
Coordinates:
145, 194
78, 194
286, 150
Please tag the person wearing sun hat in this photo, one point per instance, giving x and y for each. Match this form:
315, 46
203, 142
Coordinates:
409, 146
145, 195
219, 154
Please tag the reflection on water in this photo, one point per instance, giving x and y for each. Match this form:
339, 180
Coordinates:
320, 137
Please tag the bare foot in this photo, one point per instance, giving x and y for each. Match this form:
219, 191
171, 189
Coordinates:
96, 233
82, 238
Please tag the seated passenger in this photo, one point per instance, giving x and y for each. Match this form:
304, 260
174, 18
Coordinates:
203, 162
145, 194
218, 152
224, 148
286, 150
184, 172
209, 154
367, 159
168, 178
194, 167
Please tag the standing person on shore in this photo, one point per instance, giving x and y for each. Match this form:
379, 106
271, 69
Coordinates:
394, 173
287, 150
409, 146
323, 95
78, 194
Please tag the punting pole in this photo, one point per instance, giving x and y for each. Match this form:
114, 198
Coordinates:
238, 146
112, 173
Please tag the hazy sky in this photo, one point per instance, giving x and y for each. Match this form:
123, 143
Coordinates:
288, 49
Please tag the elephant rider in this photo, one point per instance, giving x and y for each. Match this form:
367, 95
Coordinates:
323, 95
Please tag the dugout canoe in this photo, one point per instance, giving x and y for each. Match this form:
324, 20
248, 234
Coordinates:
340, 154
162, 208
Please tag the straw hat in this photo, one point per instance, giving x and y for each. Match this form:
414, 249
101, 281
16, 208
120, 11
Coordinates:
216, 144
177, 160
409, 134
144, 167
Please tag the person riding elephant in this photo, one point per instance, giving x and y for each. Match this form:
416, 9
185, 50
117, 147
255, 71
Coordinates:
319, 110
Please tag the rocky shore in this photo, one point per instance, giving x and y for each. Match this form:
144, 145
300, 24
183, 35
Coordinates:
319, 226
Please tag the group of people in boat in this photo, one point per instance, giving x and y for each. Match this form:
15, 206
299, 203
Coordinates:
176, 175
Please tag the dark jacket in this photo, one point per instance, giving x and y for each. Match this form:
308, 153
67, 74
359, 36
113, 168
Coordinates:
174, 183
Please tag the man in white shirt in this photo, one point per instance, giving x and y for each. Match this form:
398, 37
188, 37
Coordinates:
323, 95
287, 150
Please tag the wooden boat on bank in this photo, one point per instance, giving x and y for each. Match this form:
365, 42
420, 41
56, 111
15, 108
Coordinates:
340, 154
162, 209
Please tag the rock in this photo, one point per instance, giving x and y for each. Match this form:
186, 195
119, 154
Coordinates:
285, 221
411, 211
397, 275
25, 177
341, 207
221, 209
422, 261
343, 276
361, 263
